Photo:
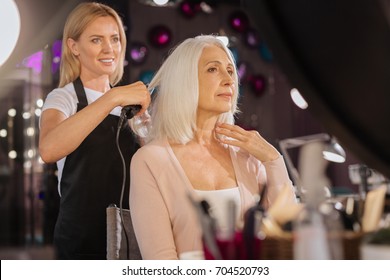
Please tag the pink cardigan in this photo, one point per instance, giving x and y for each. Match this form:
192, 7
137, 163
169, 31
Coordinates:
165, 223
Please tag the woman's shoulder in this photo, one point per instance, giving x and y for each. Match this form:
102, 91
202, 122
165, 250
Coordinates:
63, 99
67, 89
152, 150
66, 92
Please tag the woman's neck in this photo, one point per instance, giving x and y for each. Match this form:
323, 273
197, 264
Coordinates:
100, 84
205, 131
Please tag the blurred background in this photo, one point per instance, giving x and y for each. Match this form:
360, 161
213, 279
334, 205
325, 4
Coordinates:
28, 187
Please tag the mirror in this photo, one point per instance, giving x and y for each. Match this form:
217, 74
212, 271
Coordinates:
336, 53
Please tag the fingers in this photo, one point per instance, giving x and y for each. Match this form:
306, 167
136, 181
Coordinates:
230, 127
134, 94
250, 140
233, 131
144, 96
143, 110
145, 103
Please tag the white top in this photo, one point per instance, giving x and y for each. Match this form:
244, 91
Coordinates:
219, 207
65, 100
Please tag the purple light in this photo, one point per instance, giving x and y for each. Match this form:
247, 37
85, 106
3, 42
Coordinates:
163, 39
252, 38
239, 21
258, 84
34, 61
138, 52
56, 52
242, 70
160, 36
189, 9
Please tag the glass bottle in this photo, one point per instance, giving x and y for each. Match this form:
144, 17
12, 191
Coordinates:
317, 230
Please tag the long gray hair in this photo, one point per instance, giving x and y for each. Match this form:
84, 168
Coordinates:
173, 111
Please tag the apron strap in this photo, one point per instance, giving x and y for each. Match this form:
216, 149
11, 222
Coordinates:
81, 96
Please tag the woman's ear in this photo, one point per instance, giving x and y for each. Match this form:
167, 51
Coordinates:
72, 45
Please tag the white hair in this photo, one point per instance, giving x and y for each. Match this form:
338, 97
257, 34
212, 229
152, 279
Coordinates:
173, 110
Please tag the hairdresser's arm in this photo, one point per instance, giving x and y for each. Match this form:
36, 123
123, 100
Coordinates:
59, 136
149, 213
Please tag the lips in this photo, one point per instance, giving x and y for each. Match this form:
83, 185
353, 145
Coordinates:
225, 95
106, 60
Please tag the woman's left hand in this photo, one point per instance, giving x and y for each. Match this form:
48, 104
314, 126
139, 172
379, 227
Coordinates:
249, 140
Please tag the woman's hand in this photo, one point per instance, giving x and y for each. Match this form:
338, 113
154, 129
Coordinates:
132, 94
251, 141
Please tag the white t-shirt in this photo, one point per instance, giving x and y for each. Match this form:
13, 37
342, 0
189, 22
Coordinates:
218, 201
65, 100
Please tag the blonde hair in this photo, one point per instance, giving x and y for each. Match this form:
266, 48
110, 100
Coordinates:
173, 111
76, 23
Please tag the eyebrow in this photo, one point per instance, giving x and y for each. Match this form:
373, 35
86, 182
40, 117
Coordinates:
218, 62
101, 36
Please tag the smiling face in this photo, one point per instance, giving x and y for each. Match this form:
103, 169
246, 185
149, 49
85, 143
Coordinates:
98, 48
216, 83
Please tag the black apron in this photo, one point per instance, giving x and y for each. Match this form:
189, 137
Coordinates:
91, 181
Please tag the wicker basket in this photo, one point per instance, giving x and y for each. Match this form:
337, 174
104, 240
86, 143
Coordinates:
281, 248
277, 248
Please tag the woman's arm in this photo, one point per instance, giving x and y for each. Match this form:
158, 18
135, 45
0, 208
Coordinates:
59, 136
273, 166
277, 179
150, 216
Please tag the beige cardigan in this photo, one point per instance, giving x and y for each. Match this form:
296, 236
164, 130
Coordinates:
165, 222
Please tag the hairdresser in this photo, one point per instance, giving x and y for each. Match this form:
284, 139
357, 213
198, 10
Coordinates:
78, 129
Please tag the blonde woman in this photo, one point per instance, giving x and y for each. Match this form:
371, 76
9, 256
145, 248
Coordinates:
78, 128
